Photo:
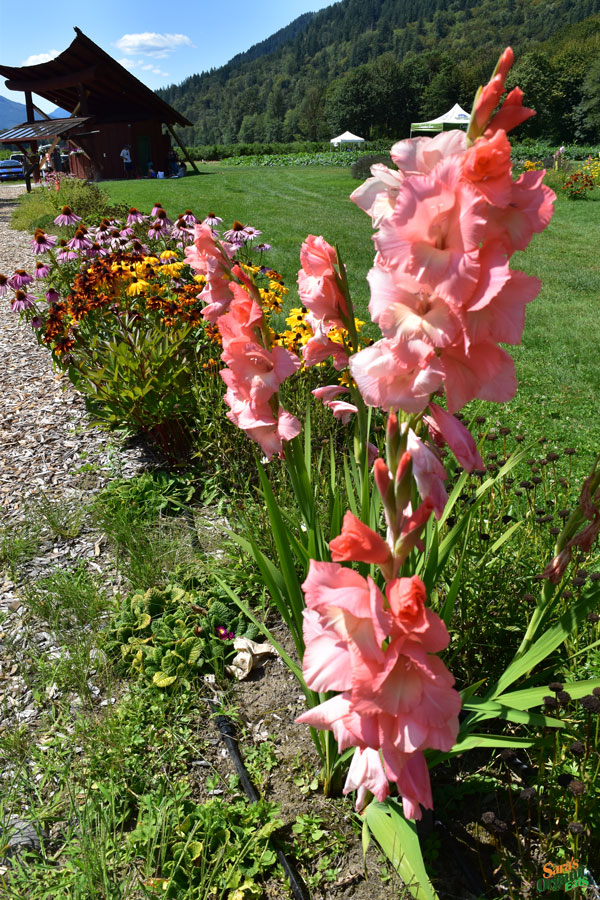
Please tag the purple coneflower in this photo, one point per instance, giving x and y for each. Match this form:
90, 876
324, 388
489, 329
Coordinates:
42, 269
263, 248
22, 300
4, 284
36, 322
42, 242
236, 234
156, 231
127, 232
212, 220
135, 216
80, 241
65, 254
155, 209
160, 227
251, 232
52, 296
19, 278
67, 217
188, 217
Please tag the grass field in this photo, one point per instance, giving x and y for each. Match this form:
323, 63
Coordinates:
557, 363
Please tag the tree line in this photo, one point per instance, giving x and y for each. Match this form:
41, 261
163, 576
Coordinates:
373, 66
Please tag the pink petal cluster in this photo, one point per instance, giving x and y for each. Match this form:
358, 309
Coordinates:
396, 697
442, 291
254, 373
213, 261
320, 293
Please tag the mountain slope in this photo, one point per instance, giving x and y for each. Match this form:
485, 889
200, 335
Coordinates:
372, 66
12, 113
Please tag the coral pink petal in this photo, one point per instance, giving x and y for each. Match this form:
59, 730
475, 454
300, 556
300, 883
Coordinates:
458, 437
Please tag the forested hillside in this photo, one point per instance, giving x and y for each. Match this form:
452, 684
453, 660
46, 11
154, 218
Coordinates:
373, 66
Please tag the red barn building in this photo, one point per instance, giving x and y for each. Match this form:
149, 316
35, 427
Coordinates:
109, 108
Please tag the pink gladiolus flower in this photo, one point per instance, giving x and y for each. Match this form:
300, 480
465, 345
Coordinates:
319, 348
317, 285
488, 96
398, 699
418, 156
414, 785
396, 375
359, 543
377, 196
486, 165
511, 113
556, 568
366, 774
428, 473
255, 373
484, 370
329, 392
342, 410
269, 432
530, 209
405, 309
459, 439
435, 230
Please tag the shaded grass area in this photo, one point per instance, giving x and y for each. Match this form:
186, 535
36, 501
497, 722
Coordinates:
559, 379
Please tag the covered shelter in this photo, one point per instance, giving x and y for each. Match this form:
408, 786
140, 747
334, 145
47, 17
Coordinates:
347, 139
454, 118
109, 108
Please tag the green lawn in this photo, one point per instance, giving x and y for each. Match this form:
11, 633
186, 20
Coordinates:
557, 364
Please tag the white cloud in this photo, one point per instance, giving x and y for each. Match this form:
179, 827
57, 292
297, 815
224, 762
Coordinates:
128, 63
151, 44
38, 58
150, 67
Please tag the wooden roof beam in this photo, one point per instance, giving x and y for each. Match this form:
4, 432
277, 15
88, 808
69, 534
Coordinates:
71, 79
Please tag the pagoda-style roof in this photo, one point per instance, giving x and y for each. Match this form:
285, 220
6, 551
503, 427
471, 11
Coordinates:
86, 81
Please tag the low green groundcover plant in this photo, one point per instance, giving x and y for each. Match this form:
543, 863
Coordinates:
168, 637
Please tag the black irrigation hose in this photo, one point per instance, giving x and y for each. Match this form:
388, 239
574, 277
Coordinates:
229, 738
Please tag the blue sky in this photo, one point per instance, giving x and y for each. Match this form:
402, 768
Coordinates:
161, 42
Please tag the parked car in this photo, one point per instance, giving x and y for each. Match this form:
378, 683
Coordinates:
10, 168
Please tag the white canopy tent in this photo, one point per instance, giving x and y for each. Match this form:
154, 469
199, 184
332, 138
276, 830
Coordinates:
453, 118
347, 139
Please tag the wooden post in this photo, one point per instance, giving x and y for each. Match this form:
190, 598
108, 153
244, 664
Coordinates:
29, 106
185, 153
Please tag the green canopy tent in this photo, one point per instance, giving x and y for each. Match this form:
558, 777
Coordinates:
454, 118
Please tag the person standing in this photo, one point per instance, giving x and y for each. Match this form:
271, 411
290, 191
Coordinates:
127, 163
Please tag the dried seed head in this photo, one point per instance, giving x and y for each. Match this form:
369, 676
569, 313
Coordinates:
577, 748
564, 698
504, 430
519, 438
576, 828
570, 451
565, 779
550, 703
556, 686
591, 703
576, 787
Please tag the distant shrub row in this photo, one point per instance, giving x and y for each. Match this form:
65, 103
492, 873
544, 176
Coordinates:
210, 152
299, 152
534, 150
